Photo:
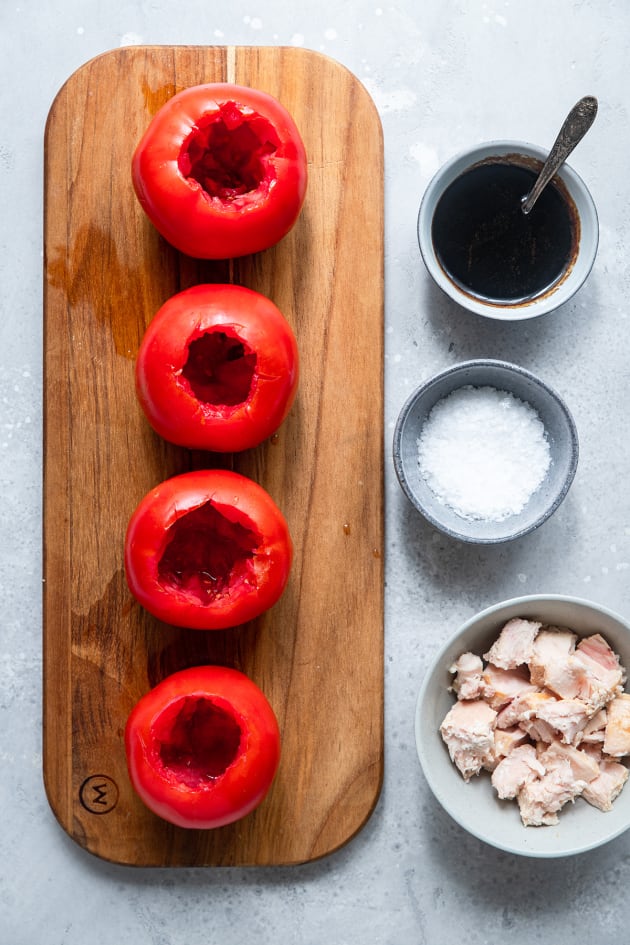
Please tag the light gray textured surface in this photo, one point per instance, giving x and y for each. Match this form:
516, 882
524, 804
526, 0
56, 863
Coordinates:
443, 75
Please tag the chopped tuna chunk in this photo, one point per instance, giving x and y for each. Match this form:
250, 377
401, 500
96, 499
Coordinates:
540, 800
514, 644
524, 706
597, 649
504, 742
583, 765
502, 685
606, 787
566, 677
593, 733
514, 771
603, 677
538, 730
552, 646
468, 682
468, 732
593, 749
617, 732
568, 717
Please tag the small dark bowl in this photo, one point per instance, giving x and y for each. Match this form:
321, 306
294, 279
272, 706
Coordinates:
561, 435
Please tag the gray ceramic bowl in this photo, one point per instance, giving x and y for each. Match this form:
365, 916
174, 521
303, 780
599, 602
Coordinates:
561, 435
587, 237
474, 805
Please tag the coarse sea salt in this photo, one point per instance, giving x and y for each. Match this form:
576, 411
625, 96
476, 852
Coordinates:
483, 452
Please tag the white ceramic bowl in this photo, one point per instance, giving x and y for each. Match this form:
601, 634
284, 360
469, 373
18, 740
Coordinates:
474, 804
561, 435
587, 242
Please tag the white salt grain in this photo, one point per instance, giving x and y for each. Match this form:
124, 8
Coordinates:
483, 452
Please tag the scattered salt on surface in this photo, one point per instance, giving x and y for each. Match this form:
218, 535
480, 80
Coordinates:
483, 452
131, 39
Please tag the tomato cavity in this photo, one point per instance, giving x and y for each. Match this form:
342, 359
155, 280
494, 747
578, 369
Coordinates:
199, 743
226, 152
207, 554
220, 369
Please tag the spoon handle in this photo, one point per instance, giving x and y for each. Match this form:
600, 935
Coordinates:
575, 126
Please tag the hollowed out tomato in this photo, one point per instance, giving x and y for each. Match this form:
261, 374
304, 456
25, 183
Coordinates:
203, 747
217, 368
221, 171
207, 550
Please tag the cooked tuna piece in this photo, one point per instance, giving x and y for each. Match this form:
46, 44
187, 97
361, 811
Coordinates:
504, 743
540, 800
468, 732
566, 677
524, 706
597, 649
539, 731
603, 676
569, 717
599, 692
551, 646
593, 751
577, 676
502, 685
513, 647
593, 733
583, 765
506, 740
617, 733
468, 682
514, 771
602, 790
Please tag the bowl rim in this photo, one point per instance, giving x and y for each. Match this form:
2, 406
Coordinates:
538, 306
488, 611
469, 365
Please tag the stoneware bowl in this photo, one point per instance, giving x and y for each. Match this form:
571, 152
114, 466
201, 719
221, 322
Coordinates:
561, 435
475, 805
579, 198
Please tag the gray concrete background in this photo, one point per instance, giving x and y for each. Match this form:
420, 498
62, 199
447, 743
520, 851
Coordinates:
443, 74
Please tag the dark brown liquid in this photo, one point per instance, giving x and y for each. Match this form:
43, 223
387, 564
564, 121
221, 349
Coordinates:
489, 247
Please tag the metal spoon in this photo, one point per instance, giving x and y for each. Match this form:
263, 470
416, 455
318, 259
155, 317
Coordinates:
575, 126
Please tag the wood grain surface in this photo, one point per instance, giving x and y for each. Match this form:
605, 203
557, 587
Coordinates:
318, 654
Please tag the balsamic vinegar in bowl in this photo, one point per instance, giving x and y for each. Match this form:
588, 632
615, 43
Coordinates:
489, 247
485, 253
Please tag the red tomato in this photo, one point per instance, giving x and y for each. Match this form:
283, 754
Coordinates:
202, 747
217, 368
221, 171
207, 550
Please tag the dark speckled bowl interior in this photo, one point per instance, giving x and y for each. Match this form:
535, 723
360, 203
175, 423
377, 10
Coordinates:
561, 435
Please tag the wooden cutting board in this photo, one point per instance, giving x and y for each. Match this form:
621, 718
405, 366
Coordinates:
318, 654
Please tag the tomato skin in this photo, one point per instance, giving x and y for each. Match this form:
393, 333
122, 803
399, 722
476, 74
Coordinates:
207, 550
211, 800
220, 226
167, 396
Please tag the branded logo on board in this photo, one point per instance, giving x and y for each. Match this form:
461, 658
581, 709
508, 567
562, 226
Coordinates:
99, 794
